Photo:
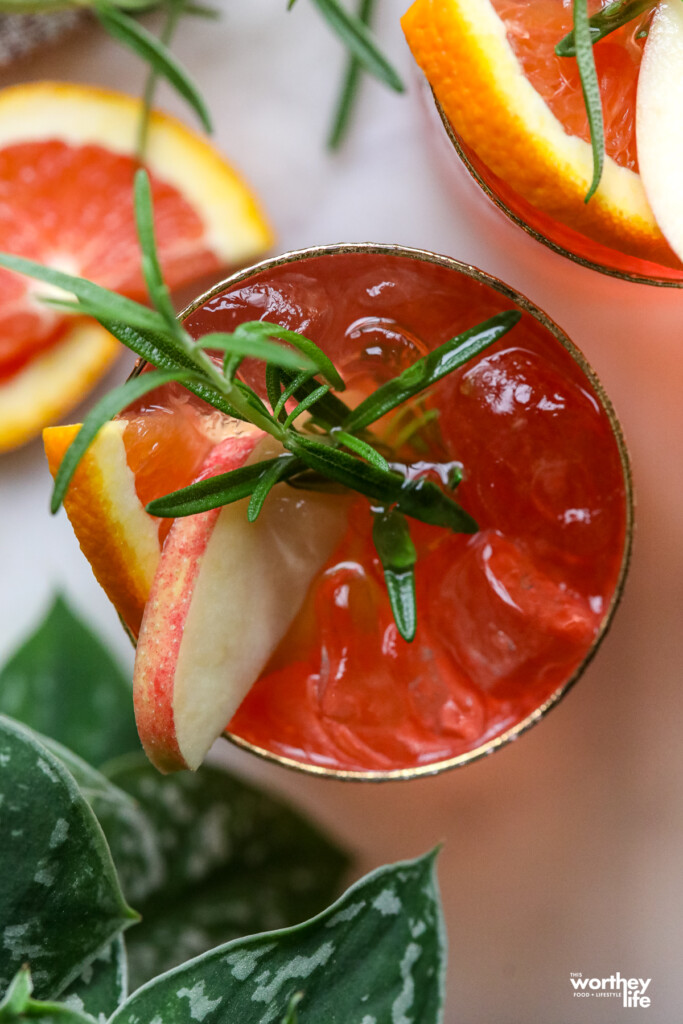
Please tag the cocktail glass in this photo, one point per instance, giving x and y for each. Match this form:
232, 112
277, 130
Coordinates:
508, 618
616, 55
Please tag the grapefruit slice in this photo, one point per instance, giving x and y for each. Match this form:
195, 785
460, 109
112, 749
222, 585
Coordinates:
67, 160
54, 380
492, 67
658, 120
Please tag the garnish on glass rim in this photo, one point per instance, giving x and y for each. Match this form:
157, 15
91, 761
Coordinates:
334, 446
579, 43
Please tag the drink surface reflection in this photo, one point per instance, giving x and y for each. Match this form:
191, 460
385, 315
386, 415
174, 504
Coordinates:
505, 617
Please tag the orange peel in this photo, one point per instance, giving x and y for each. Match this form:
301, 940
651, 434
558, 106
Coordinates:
116, 535
462, 48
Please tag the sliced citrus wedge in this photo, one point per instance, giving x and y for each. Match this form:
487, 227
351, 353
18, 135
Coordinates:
55, 379
465, 50
67, 161
658, 120
116, 535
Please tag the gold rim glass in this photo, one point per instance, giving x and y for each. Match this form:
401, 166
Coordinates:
490, 745
541, 227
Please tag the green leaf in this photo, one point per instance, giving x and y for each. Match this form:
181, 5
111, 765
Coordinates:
151, 269
293, 388
423, 500
279, 470
202, 11
17, 995
420, 499
257, 347
133, 844
254, 329
591, 91
173, 10
213, 492
127, 31
346, 469
350, 85
18, 1006
274, 387
253, 400
378, 953
360, 41
34, 6
329, 409
63, 682
431, 368
306, 403
143, 318
92, 296
159, 350
230, 860
112, 403
605, 21
60, 901
362, 448
103, 984
396, 551
292, 1017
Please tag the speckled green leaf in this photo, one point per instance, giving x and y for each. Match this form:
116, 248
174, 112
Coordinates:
133, 839
64, 683
374, 957
103, 983
60, 901
18, 1006
221, 860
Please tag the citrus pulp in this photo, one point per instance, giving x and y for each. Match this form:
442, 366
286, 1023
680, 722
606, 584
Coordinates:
517, 116
67, 160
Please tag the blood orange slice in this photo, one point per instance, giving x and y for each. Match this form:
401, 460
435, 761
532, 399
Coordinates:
519, 108
67, 159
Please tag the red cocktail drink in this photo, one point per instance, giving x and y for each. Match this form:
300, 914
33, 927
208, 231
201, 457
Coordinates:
515, 113
508, 616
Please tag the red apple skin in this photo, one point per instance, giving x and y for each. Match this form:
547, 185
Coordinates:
166, 610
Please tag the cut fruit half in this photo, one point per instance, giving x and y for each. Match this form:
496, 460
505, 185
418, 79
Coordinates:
67, 161
465, 48
659, 120
224, 595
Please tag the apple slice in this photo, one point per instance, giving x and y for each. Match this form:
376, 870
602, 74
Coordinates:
225, 593
659, 120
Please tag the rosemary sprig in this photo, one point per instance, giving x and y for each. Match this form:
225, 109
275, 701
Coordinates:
126, 30
350, 85
606, 21
174, 9
330, 447
579, 43
360, 42
391, 537
591, 92
364, 54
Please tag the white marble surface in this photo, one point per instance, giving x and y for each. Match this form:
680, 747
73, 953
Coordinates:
563, 852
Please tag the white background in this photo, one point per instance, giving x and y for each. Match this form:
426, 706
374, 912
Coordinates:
564, 851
